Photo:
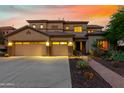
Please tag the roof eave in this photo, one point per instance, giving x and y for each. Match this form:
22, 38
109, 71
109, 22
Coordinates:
23, 28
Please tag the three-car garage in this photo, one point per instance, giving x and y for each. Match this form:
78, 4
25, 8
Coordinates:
40, 49
30, 42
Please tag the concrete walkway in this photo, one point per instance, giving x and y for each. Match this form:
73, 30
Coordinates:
114, 79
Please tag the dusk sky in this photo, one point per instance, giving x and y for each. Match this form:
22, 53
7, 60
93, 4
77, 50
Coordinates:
17, 15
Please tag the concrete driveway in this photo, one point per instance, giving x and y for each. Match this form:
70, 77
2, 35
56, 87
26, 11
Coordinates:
36, 72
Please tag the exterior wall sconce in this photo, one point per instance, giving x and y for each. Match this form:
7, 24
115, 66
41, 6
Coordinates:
47, 43
10, 43
70, 43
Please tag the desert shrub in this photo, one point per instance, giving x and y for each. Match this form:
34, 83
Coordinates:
82, 64
75, 52
88, 75
91, 52
107, 55
118, 56
121, 59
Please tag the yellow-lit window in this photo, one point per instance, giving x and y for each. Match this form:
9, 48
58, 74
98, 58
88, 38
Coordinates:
42, 43
78, 29
55, 43
33, 42
89, 31
18, 43
67, 27
63, 43
103, 44
26, 42
30, 42
92, 31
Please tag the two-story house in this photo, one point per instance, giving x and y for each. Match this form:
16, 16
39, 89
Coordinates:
53, 38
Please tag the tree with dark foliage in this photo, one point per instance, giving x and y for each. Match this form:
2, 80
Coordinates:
115, 29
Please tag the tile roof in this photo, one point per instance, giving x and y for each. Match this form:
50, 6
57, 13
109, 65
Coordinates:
7, 28
94, 26
59, 34
39, 21
57, 21
96, 33
76, 22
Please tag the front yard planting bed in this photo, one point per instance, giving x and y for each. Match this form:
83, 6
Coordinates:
78, 80
108, 64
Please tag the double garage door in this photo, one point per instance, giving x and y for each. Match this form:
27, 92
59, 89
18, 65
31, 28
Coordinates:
30, 49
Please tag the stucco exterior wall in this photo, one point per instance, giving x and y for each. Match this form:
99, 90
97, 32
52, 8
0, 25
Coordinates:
61, 39
91, 40
59, 26
48, 26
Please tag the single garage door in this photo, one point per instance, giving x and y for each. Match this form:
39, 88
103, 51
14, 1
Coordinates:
30, 49
59, 49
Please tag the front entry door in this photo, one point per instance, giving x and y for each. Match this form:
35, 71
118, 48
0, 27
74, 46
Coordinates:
77, 46
80, 46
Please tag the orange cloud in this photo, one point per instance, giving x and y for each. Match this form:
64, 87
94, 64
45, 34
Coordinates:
95, 10
95, 14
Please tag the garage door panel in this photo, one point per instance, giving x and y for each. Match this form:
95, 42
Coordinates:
59, 50
30, 50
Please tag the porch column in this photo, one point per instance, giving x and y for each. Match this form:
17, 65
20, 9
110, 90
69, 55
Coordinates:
74, 46
48, 49
80, 45
10, 50
70, 50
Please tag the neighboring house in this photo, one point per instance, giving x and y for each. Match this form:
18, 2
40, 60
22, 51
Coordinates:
6, 30
54, 38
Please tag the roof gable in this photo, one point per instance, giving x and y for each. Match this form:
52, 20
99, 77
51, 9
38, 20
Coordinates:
24, 28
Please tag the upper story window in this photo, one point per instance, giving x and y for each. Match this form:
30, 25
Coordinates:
78, 29
90, 31
67, 28
34, 26
54, 26
41, 26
